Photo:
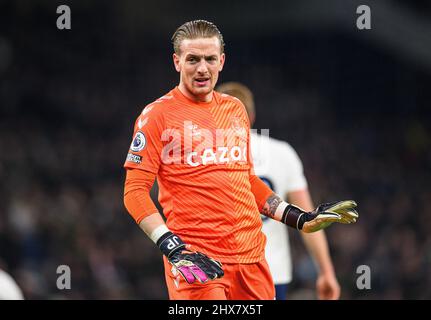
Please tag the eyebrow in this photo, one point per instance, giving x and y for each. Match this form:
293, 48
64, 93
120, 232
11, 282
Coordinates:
191, 55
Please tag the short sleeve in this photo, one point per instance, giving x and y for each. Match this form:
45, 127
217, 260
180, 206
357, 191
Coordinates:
146, 146
294, 172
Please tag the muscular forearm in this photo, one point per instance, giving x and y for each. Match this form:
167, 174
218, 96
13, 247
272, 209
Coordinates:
316, 242
317, 245
154, 226
139, 204
300, 219
327, 285
271, 205
137, 198
278, 209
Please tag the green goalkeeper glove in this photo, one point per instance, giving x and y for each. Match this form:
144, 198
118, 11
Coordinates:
191, 265
321, 217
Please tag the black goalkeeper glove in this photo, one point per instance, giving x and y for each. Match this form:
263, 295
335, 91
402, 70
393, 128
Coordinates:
191, 265
321, 217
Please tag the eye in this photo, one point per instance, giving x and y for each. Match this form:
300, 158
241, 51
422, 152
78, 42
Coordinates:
192, 59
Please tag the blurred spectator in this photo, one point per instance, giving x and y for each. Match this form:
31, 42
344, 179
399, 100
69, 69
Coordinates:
9, 290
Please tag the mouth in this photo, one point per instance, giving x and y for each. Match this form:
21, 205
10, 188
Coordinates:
202, 81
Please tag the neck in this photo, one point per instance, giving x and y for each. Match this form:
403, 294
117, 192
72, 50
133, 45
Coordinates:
198, 98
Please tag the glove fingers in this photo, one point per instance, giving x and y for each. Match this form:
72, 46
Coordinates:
337, 205
350, 216
314, 226
219, 269
325, 214
216, 266
351, 213
328, 216
189, 270
341, 206
345, 210
185, 271
196, 265
344, 217
212, 267
217, 263
344, 220
199, 274
347, 221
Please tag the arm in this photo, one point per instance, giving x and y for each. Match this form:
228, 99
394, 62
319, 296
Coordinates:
272, 206
327, 285
190, 264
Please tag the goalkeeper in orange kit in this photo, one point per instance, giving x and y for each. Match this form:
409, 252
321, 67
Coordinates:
196, 142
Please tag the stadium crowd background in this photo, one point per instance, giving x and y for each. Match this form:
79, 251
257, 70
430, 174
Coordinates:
356, 110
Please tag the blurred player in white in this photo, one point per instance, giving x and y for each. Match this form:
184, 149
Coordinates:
277, 164
9, 290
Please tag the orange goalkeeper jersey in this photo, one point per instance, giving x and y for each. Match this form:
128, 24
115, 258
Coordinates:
200, 153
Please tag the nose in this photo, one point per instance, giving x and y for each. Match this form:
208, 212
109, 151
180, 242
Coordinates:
202, 67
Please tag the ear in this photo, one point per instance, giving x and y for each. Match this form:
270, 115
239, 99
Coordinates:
176, 59
222, 59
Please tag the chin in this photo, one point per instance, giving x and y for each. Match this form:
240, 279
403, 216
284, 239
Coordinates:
202, 91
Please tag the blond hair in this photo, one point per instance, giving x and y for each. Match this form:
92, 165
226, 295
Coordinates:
196, 29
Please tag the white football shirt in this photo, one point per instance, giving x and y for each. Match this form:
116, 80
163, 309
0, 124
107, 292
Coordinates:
278, 165
9, 290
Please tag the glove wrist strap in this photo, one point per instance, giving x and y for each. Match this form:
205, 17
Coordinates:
169, 242
294, 217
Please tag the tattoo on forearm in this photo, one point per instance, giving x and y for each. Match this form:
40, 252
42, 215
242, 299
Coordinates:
271, 205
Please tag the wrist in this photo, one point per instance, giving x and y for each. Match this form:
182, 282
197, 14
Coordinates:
294, 216
326, 270
326, 274
158, 232
169, 243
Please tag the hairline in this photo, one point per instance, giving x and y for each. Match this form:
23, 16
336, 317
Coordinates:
197, 38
